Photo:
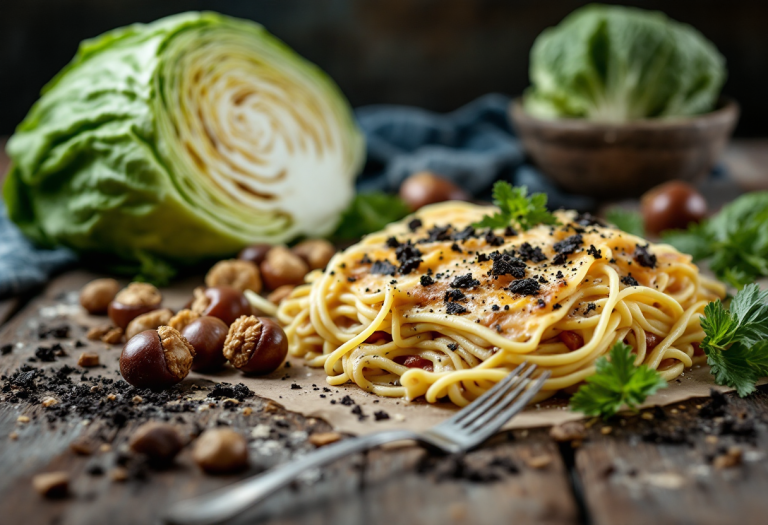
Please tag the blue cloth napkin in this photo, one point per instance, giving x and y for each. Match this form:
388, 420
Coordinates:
473, 146
22, 265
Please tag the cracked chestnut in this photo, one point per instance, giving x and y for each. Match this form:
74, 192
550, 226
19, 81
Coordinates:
223, 302
156, 359
132, 301
256, 345
207, 336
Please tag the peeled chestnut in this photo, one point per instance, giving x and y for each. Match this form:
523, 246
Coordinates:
425, 188
256, 345
254, 253
207, 336
156, 358
672, 205
221, 301
132, 301
281, 266
317, 253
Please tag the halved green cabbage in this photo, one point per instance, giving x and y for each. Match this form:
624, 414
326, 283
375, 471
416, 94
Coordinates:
183, 139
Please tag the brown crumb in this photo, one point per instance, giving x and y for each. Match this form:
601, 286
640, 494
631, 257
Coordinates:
88, 359
247, 411
97, 332
23, 419
539, 462
105, 447
320, 439
113, 336
111, 397
237, 274
49, 401
182, 319
606, 430
118, 474
648, 416
731, 458
148, 321
271, 407
13, 436
569, 431
52, 484
712, 440
137, 399
83, 447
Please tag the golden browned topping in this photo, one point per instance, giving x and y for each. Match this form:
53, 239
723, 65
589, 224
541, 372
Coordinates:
148, 321
182, 319
88, 359
242, 339
220, 450
97, 294
241, 275
113, 336
320, 439
281, 266
200, 301
139, 294
281, 293
315, 252
51, 484
178, 352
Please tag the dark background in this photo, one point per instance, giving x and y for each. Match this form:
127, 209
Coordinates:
437, 54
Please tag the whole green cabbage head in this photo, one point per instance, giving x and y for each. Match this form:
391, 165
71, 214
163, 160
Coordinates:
184, 139
617, 64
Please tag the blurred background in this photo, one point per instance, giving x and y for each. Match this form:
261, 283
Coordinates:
437, 54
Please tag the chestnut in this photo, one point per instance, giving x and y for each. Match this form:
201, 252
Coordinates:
317, 253
220, 451
256, 345
132, 301
156, 358
281, 266
241, 275
672, 205
223, 302
207, 335
254, 253
425, 187
97, 294
160, 442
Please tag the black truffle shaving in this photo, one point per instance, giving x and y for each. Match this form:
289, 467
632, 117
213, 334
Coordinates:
560, 258
454, 295
529, 253
409, 257
587, 219
439, 233
410, 265
414, 225
465, 281
569, 244
493, 239
509, 231
629, 280
455, 309
482, 257
505, 264
524, 287
426, 280
644, 257
383, 268
464, 234
594, 252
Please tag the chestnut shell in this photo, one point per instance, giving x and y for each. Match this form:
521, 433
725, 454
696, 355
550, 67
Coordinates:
207, 334
226, 303
122, 314
270, 351
142, 362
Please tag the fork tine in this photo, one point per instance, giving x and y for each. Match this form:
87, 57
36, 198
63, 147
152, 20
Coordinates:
484, 401
503, 400
504, 412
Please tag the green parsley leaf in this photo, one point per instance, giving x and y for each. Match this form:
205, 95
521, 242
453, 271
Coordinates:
736, 344
616, 383
517, 208
368, 213
626, 220
735, 241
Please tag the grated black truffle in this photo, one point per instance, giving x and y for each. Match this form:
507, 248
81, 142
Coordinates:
644, 257
465, 281
524, 287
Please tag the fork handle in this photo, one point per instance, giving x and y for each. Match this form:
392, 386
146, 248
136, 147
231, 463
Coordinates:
229, 501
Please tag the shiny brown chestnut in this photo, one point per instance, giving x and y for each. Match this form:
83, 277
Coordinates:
281, 266
256, 345
254, 253
156, 358
426, 187
207, 335
223, 302
132, 301
317, 253
672, 205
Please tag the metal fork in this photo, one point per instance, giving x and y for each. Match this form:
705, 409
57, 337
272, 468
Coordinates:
467, 429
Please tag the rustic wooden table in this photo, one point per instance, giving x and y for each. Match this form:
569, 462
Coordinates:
660, 466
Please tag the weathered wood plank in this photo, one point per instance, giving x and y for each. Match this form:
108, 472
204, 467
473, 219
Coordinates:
638, 474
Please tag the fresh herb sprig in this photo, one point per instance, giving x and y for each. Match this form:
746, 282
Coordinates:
734, 242
626, 220
736, 344
517, 208
616, 383
368, 213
